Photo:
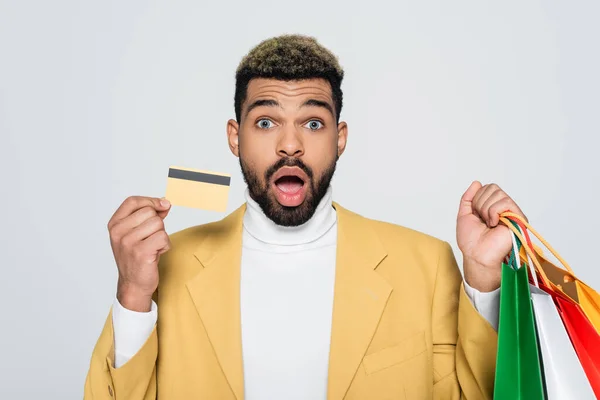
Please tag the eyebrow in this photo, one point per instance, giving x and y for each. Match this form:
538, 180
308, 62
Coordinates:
274, 103
319, 103
262, 103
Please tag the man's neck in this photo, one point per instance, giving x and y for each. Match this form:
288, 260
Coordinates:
263, 229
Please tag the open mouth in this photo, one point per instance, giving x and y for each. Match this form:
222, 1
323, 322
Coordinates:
290, 186
289, 183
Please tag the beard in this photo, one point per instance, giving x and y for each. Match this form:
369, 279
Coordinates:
264, 196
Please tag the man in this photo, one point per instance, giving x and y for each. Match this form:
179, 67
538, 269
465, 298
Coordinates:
292, 296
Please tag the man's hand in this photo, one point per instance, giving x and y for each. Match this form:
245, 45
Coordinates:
482, 240
138, 238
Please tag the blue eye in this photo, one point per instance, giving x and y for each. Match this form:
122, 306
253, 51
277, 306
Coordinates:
314, 125
264, 123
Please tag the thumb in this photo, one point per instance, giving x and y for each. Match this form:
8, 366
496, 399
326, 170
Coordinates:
165, 208
466, 200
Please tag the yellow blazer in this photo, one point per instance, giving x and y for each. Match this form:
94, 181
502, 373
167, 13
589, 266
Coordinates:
403, 327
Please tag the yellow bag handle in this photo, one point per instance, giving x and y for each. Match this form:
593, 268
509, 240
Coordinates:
529, 251
537, 235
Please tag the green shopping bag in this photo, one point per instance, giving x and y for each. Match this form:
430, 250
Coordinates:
518, 371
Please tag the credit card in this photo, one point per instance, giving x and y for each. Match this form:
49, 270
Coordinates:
188, 187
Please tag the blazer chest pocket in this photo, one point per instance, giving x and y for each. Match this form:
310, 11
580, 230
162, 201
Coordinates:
397, 354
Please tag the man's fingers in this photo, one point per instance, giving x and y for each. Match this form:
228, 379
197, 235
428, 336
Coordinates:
465, 207
134, 203
506, 204
145, 230
481, 197
134, 220
486, 209
158, 243
147, 251
490, 201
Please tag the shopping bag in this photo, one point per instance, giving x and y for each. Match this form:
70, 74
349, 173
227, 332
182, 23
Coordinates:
577, 290
583, 335
518, 372
564, 280
564, 377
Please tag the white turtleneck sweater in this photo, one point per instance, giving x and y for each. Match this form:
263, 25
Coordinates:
286, 291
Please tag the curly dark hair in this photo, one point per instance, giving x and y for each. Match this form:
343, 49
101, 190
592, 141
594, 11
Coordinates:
289, 58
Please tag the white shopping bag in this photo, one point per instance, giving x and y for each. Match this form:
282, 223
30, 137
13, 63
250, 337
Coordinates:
564, 377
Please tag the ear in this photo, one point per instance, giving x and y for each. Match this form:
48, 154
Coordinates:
342, 137
233, 130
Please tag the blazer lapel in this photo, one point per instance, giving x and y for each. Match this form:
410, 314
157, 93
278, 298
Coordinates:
215, 292
359, 299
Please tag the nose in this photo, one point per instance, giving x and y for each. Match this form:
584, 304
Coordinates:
290, 143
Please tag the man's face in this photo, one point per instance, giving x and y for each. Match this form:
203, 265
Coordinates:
288, 143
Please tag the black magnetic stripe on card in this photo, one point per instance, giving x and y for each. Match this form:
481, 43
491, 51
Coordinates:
199, 177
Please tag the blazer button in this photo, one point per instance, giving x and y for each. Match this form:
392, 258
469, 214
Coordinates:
110, 391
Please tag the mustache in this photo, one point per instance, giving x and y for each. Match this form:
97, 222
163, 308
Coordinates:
288, 162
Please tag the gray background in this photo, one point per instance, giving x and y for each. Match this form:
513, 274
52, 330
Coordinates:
97, 99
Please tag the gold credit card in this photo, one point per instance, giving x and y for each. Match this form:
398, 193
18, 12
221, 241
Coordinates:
195, 188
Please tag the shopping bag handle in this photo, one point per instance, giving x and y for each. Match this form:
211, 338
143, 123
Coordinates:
524, 233
530, 264
515, 251
529, 251
522, 221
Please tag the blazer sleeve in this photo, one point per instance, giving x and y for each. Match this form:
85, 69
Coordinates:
135, 380
464, 343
